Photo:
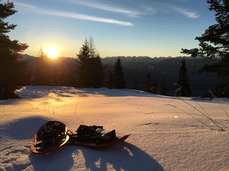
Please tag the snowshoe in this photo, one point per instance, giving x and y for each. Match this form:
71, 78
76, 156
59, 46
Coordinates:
49, 138
89, 137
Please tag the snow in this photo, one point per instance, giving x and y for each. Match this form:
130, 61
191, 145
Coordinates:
207, 32
193, 50
219, 27
209, 29
163, 136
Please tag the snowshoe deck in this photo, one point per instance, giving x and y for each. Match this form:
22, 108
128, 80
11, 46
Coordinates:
49, 138
103, 145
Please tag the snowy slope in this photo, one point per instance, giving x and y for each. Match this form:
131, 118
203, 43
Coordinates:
163, 136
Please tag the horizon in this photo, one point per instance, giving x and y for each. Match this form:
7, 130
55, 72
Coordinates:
197, 57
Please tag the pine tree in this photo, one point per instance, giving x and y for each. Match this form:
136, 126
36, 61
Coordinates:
118, 76
110, 80
148, 83
82, 70
222, 89
90, 71
183, 80
154, 87
42, 70
61, 72
93, 52
215, 40
162, 87
98, 71
135, 84
12, 70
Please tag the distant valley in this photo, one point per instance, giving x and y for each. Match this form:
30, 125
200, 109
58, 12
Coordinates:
166, 68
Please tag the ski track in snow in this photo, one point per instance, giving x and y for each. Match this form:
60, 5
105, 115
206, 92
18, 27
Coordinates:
163, 136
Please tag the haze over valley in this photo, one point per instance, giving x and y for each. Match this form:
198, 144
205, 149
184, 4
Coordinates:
166, 68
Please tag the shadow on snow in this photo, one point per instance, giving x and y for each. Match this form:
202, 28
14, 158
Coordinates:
122, 156
24, 128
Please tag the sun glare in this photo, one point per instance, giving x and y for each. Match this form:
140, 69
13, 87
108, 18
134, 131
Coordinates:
52, 52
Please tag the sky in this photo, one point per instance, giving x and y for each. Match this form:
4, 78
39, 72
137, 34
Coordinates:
154, 28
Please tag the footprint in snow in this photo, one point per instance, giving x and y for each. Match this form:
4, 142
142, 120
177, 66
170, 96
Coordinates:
14, 158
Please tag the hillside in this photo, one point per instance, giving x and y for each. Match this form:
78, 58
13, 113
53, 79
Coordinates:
163, 137
166, 68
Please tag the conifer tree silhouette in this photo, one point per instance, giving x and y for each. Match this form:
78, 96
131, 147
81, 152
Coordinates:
12, 70
118, 76
183, 80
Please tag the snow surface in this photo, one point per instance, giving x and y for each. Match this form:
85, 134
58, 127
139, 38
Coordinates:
163, 136
193, 50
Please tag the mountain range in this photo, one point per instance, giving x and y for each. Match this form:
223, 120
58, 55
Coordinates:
166, 68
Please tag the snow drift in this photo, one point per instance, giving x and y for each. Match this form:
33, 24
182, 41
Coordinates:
163, 137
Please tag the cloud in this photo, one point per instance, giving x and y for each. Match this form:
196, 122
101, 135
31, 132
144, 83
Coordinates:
26, 6
182, 0
140, 8
86, 17
72, 15
149, 10
184, 12
106, 7
187, 13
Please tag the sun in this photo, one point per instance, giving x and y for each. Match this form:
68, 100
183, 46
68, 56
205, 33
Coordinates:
52, 52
